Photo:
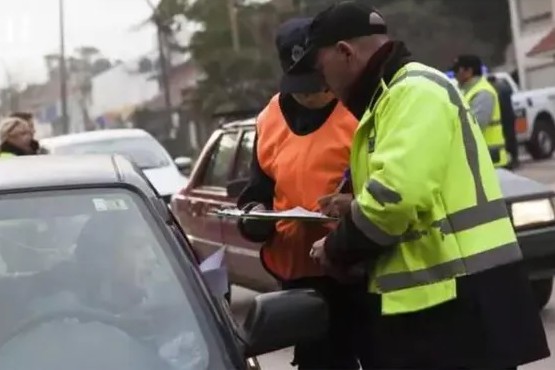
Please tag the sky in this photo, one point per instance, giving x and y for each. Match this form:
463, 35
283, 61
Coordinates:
29, 29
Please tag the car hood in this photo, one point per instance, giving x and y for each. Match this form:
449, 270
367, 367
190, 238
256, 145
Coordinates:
516, 187
166, 180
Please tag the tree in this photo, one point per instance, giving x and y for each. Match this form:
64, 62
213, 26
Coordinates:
233, 78
437, 31
87, 53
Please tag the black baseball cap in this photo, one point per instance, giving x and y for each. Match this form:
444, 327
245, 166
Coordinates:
291, 42
343, 20
467, 61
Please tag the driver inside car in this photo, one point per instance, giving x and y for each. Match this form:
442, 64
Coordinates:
111, 264
114, 259
112, 283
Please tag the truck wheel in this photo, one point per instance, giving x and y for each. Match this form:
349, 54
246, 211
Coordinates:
542, 142
542, 291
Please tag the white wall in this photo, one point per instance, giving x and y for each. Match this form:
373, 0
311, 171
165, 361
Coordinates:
119, 87
527, 33
533, 8
543, 76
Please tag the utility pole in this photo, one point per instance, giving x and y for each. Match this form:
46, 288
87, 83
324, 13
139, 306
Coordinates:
63, 71
165, 80
232, 11
163, 64
11, 90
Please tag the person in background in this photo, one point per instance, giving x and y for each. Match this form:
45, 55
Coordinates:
508, 118
17, 138
30, 119
301, 153
484, 103
447, 289
27, 117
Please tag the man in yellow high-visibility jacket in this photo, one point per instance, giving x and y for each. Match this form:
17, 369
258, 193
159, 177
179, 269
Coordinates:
484, 103
446, 286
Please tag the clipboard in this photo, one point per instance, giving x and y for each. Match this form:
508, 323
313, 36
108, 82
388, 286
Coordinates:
295, 214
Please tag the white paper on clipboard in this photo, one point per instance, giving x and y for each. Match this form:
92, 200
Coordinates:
297, 213
215, 273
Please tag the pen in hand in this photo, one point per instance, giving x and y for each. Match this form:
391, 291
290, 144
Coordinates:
336, 204
344, 180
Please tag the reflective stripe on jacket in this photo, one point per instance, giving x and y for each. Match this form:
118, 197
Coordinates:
493, 133
304, 169
426, 188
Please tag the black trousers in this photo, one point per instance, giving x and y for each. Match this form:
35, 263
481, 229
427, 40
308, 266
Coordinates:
337, 349
511, 143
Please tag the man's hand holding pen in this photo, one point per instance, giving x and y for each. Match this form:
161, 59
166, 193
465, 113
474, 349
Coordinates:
335, 205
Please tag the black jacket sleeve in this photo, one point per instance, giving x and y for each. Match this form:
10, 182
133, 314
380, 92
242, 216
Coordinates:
259, 190
347, 245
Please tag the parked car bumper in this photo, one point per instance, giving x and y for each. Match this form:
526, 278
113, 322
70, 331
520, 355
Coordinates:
538, 249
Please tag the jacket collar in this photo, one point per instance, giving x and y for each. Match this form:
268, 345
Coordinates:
391, 57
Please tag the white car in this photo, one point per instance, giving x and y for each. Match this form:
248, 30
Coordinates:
135, 144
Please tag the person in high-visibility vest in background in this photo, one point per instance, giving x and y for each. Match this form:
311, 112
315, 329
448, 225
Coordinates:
484, 104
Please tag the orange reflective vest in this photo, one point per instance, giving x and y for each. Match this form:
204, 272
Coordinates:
304, 169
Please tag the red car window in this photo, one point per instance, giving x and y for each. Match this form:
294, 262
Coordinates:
220, 162
244, 156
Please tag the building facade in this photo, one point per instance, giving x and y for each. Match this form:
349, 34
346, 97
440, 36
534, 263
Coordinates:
532, 24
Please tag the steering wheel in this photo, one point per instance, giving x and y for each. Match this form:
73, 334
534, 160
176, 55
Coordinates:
82, 315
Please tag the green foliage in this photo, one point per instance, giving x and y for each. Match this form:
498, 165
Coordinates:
233, 80
435, 31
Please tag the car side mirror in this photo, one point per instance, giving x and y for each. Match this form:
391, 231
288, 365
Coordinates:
282, 319
235, 187
184, 164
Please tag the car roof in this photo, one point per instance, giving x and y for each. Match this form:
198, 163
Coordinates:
515, 187
92, 136
28, 173
245, 123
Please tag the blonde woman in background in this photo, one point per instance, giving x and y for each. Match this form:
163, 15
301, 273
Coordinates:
17, 138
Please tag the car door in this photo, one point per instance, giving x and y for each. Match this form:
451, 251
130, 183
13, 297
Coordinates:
243, 256
208, 194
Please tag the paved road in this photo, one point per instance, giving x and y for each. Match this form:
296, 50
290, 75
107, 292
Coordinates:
280, 360
541, 171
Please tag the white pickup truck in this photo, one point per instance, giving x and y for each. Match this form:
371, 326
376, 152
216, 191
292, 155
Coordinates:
535, 116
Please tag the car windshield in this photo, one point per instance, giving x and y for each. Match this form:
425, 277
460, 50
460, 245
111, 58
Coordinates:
145, 152
88, 275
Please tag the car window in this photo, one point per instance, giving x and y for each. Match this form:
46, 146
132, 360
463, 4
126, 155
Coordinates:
96, 257
219, 164
145, 152
244, 156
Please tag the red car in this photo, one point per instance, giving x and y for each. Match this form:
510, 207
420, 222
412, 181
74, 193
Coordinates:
223, 169
219, 175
